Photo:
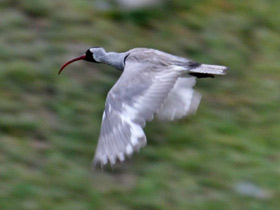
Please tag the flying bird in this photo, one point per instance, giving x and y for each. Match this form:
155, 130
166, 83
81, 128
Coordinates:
152, 83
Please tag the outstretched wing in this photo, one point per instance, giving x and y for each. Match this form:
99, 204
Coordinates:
135, 98
182, 100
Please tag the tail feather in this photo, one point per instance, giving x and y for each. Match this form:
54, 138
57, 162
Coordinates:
206, 69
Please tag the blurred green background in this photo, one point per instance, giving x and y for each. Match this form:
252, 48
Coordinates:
227, 156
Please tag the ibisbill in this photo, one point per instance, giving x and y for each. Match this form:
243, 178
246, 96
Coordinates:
152, 83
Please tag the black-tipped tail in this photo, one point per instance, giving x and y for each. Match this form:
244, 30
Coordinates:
206, 70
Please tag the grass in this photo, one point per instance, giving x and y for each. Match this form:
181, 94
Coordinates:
49, 125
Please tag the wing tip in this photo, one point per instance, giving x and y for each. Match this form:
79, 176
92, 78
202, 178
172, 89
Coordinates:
97, 164
118, 158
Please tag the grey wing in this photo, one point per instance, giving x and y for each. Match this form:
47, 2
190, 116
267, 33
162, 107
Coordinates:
134, 99
182, 100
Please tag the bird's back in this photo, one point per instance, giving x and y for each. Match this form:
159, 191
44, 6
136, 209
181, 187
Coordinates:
154, 57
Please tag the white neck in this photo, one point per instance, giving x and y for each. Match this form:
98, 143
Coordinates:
111, 58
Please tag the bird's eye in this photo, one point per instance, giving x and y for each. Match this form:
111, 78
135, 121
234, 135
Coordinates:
89, 52
90, 55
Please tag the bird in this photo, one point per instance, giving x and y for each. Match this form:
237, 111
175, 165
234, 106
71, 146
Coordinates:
152, 83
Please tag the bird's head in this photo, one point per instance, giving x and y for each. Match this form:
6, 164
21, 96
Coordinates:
93, 54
